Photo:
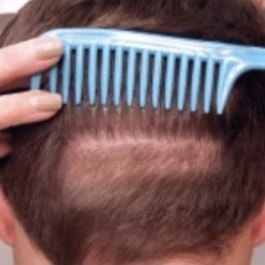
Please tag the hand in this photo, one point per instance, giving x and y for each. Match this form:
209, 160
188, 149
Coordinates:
17, 62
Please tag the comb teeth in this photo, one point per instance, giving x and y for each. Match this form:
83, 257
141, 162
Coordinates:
130, 76
160, 75
79, 74
167, 73
105, 75
209, 80
66, 74
53, 79
144, 78
156, 79
196, 76
182, 82
222, 91
92, 82
169, 80
118, 75
36, 81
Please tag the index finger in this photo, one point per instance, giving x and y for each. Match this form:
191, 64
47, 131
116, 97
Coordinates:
25, 58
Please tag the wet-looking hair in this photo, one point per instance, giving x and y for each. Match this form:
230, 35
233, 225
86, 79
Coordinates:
125, 185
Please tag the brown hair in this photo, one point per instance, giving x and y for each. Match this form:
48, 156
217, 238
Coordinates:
4, 20
123, 185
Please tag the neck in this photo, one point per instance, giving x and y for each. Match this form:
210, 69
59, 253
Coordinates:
239, 252
243, 259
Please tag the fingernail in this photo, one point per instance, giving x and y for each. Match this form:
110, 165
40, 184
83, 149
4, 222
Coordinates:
48, 48
44, 101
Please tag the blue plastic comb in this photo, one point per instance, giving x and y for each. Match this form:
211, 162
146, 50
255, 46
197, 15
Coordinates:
153, 69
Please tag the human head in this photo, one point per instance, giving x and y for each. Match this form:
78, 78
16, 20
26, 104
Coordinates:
130, 186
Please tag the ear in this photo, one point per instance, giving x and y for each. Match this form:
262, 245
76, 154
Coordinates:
7, 221
258, 235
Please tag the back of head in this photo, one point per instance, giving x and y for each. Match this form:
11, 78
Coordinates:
127, 185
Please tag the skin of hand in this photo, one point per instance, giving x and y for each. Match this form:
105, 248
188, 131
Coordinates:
17, 62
